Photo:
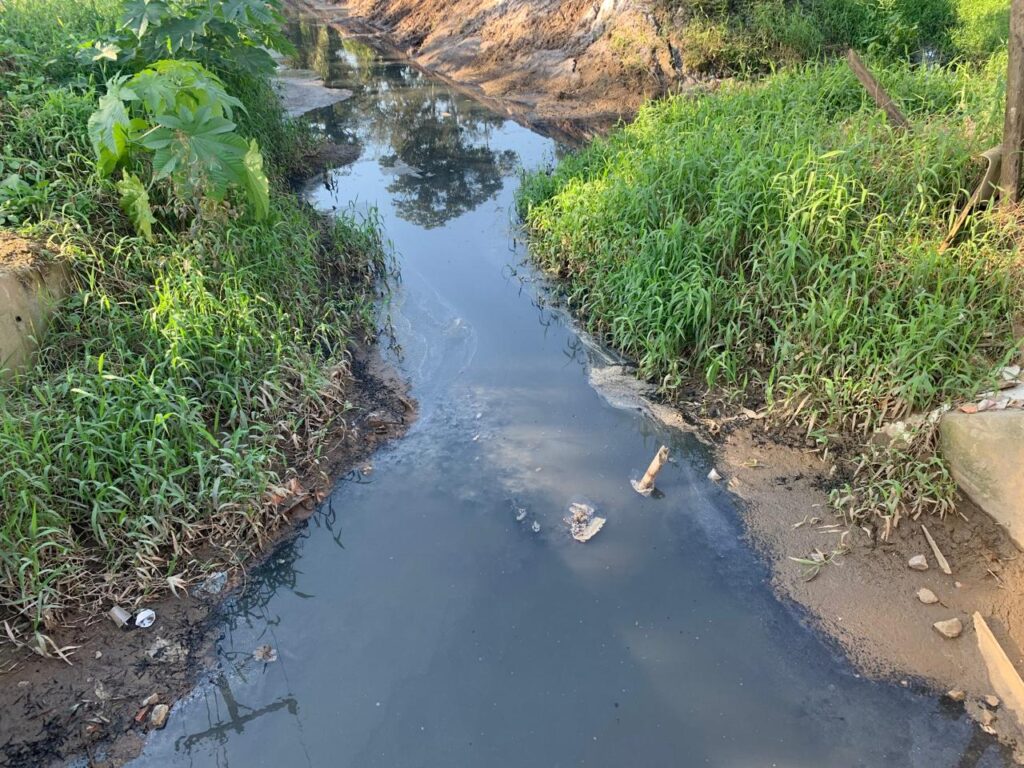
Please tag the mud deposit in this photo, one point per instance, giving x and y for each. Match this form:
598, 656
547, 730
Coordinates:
436, 610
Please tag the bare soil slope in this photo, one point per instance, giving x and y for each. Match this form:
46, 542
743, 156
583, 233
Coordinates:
584, 63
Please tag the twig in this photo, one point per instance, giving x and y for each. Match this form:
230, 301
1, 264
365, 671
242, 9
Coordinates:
939, 557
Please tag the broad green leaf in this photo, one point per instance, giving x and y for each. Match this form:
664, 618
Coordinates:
135, 203
139, 14
108, 126
255, 183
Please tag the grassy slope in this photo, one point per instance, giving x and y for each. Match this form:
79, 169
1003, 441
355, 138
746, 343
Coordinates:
780, 239
185, 374
719, 37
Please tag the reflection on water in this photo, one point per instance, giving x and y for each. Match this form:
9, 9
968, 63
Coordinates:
439, 156
422, 620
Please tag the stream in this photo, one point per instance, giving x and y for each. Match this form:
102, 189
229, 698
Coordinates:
419, 622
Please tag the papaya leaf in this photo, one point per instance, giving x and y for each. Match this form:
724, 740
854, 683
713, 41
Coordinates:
140, 14
135, 203
108, 126
255, 183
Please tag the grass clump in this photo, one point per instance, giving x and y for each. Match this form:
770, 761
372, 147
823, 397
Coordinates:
780, 241
182, 376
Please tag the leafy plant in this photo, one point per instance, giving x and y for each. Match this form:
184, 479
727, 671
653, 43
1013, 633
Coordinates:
233, 34
177, 115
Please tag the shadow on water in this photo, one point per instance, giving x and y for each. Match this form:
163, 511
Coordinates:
435, 612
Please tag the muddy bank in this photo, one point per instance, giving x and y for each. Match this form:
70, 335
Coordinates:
95, 706
865, 596
575, 67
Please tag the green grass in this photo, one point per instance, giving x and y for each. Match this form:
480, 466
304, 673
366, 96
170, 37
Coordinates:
780, 241
721, 38
182, 378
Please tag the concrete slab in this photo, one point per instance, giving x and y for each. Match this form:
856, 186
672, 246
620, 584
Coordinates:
985, 453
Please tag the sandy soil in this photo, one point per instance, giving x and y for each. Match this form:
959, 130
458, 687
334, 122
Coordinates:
19, 255
52, 711
571, 67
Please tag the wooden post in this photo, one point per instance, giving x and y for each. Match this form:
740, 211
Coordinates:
1013, 126
878, 93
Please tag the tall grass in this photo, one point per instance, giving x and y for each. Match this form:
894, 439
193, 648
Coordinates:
719, 38
182, 377
781, 241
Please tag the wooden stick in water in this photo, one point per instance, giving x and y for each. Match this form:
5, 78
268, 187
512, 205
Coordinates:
646, 484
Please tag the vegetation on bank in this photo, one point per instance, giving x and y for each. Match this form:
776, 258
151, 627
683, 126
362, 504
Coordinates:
780, 241
720, 37
206, 348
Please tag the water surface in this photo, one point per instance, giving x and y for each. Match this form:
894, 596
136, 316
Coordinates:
420, 624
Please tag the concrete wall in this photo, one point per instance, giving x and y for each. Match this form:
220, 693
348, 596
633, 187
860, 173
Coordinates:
985, 453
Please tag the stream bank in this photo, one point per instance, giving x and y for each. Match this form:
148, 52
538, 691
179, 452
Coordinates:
866, 598
438, 612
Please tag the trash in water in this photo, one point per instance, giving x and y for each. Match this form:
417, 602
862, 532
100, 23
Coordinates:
713, 475
145, 618
215, 583
119, 615
535, 527
265, 653
582, 523
520, 514
645, 484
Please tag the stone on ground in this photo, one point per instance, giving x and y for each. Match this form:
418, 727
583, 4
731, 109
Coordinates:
950, 628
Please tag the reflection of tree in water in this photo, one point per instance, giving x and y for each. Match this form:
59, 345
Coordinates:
446, 166
440, 152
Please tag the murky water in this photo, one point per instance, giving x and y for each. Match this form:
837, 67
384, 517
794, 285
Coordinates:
419, 623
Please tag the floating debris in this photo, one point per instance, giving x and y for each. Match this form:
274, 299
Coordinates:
583, 525
145, 618
535, 527
520, 514
265, 653
713, 475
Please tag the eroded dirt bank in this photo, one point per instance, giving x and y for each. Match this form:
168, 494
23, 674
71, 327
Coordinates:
575, 65
98, 705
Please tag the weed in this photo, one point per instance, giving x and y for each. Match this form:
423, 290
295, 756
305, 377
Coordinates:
182, 377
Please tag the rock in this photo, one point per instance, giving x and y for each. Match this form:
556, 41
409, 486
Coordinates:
158, 718
713, 476
149, 701
926, 596
956, 694
214, 583
918, 563
992, 702
985, 717
950, 628
984, 452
